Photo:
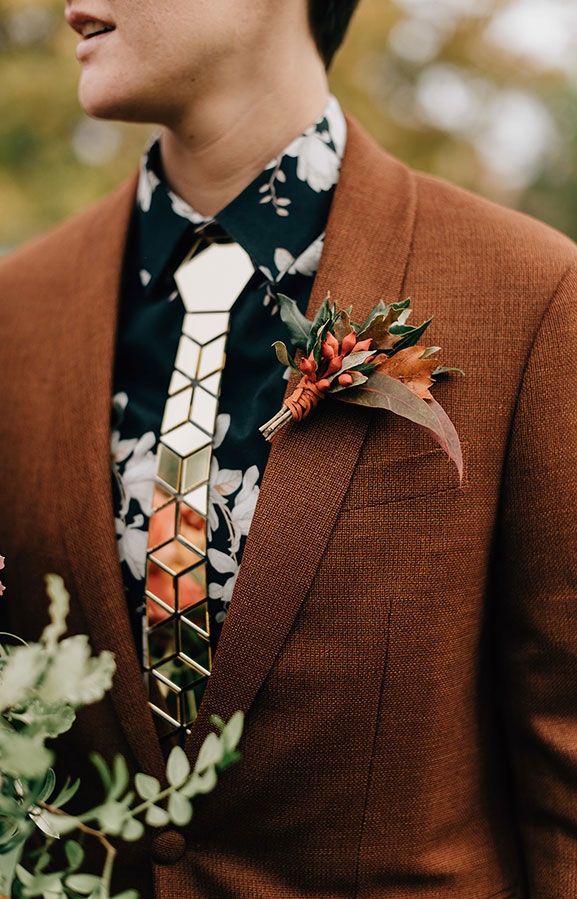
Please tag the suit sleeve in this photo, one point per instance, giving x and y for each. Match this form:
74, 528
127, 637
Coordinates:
537, 608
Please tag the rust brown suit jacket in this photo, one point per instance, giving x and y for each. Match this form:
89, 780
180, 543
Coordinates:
405, 648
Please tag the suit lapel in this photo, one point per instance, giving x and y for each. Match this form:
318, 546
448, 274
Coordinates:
90, 317
310, 465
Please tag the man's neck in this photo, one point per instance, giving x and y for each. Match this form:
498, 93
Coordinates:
228, 138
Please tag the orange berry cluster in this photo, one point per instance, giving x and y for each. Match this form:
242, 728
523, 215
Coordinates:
332, 357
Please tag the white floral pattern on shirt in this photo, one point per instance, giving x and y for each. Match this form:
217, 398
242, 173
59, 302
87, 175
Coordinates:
232, 500
280, 220
134, 469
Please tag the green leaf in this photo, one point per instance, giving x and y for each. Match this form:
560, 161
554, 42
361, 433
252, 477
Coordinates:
147, 786
9, 863
48, 786
430, 351
42, 884
74, 853
24, 756
127, 894
111, 817
157, 817
412, 337
120, 777
177, 767
297, 325
399, 328
68, 791
24, 876
179, 809
321, 320
233, 731
323, 313
200, 782
283, 355
61, 824
133, 830
102, 768
351, 361
52, 719
74, 676
228, 759
217, 721
43, 823
83, 883
316, 348
384, 392
9, 807
21, 674
444, 369
210, 753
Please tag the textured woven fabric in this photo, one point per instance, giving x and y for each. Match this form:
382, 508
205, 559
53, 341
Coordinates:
411, 685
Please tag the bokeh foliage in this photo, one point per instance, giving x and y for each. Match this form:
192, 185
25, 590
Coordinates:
423, 76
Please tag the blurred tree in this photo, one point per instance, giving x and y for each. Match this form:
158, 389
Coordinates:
482, 92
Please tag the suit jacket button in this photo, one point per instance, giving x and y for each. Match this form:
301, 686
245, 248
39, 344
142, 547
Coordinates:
168, 847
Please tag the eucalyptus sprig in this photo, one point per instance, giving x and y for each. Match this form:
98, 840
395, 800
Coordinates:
41, 686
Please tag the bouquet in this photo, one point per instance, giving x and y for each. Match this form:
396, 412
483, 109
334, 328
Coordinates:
41, 687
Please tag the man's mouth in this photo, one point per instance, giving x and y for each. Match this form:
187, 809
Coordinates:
86, 25
92, 29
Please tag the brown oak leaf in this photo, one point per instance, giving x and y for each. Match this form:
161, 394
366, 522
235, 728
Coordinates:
378, 329
408, 367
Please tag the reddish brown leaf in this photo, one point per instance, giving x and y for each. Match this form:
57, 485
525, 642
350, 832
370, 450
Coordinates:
446, 435
383, 392
378, 330
415, 372
342, 326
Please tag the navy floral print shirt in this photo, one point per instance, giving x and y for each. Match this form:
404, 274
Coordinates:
279, 219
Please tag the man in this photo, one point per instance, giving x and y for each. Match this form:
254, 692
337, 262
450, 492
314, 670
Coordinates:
403, 645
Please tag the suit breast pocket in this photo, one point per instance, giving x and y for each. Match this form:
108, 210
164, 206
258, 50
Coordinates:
405, 478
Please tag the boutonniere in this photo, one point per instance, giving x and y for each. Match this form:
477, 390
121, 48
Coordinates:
377, 364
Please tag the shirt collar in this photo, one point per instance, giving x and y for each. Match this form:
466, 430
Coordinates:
279, 219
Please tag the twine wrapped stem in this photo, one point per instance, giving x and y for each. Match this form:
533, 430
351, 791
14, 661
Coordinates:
297, 406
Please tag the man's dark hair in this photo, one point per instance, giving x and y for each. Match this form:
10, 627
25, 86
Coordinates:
329, 22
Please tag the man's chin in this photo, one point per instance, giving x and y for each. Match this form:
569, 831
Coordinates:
106, 102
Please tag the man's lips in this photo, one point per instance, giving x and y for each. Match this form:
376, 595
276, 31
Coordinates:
87, 25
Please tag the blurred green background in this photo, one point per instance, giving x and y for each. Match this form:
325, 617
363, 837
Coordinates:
482, 92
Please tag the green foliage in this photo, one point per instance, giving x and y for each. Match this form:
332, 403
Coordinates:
41, 686
297, 325
284, 356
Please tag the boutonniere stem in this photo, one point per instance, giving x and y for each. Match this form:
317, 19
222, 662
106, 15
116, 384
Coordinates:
377, 364
297, 406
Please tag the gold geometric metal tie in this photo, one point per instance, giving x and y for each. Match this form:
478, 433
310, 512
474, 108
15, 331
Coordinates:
178, 655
